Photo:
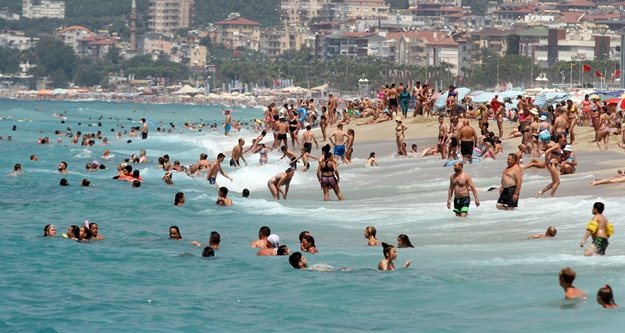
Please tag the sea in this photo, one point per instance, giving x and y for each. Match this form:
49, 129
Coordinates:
478, 274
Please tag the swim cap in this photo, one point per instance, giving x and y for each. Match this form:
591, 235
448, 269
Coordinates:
274, 240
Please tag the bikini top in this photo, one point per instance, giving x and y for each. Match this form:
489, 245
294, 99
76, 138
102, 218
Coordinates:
325, 167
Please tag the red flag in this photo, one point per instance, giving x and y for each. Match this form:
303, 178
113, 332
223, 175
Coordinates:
598, 74
587, 68
617, 73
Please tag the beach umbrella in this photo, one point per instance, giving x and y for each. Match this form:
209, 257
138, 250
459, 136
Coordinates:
621, 105
612, 100
484, 98
186, 90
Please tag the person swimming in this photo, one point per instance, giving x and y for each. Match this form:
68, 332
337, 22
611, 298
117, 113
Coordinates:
370, 233
390, 254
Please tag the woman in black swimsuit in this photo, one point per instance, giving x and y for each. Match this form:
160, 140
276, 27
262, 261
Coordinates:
294, 128
328, 175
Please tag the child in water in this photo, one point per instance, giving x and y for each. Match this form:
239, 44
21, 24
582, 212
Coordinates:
371, 162
605, 297
549, 233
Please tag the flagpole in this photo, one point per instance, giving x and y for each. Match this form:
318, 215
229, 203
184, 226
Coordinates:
571, 77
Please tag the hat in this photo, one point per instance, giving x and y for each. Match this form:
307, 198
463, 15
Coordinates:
398, 118
543, 118
534, 111
568, 148
95, 162
274, 240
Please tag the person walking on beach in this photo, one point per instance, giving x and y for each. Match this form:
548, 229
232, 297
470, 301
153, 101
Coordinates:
276, 182
468, 140
460, 183
237, 153
510, 189
552, 167
144, 129
216, 168
442, 137
338, 139
599, 229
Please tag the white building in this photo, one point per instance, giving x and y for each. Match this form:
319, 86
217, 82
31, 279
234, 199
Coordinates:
17, 40
35, 9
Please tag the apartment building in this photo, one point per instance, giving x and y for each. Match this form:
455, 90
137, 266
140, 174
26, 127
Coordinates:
237, 31
167, 16
275, 41
35, 9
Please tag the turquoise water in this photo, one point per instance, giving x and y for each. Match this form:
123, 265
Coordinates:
480, 274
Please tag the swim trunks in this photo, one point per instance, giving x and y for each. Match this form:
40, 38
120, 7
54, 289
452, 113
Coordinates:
328, 181
228, 127
232, 162
466, 148
339, 150
144, 135
281, 136
506, 197
392, 102
212, 180
461, 205
600, 244
308, 147
453, 142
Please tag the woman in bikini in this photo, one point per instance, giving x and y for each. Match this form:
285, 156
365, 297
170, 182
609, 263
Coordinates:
572, 116
399, 134
328, 176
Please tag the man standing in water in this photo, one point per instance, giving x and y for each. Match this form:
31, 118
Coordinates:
442, 137
599, 229
237, 153
227, 123
510, 185
215, 168
338, 140
460, 183
468, 140
144, 129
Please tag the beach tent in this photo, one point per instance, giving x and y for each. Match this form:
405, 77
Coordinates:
442, 99
320, 88
186, 90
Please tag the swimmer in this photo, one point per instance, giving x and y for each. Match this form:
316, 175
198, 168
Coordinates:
605, 297
94, 228
245, 193
237, 154
85, 183
390, 254
549, 233
370, 236
222, 197
63, 182
276, 182
308, 244
214, 240
298, 261
49, 230
62, 167
34, 158
271, 248
208, 252
72, 232
619, 178
284, 250
567, 276
174, 233
371, 161
261, 242
179, 199
167, 178
403, 241
17, 170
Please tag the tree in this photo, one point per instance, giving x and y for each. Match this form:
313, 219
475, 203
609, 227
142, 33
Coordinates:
55, 59
9, 60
